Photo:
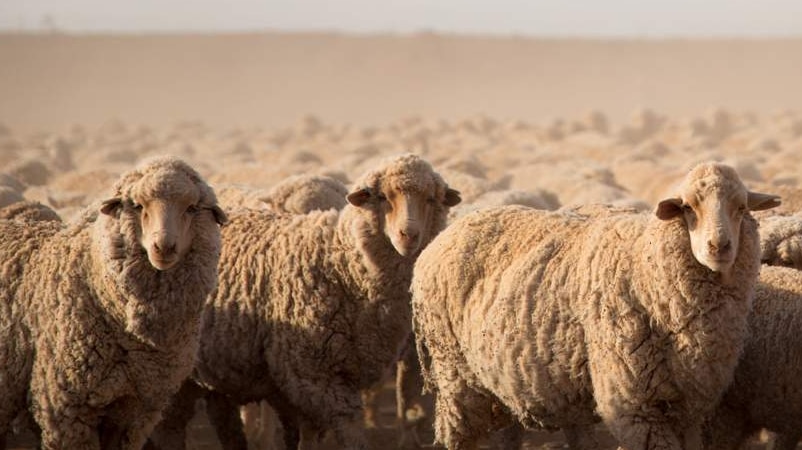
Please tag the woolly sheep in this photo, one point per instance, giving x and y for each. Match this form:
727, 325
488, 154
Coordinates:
557, 319
781, 241
234, 195
766, 391
313, 308
27, 210
99, 319
300, 194
296, 194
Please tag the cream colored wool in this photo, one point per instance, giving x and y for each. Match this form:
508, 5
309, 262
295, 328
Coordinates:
28, 211
766, 391
781, 240
559, 319
300, 194
90, 331
313, 308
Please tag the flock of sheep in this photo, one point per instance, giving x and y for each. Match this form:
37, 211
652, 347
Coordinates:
549, 277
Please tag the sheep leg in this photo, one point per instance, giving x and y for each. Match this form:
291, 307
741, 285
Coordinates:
410, 412
224, 416
369, 401
461, 414
259, 424
171, 433
61, 434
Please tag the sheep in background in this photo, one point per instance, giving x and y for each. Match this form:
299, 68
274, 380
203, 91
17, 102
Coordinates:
535, 198
557, 320
311, 309
766, 391
9, 195
28, 211
300, 194
99, 320
296, 194
781, 241
234, 195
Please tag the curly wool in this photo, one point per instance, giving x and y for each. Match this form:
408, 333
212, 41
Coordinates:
28, 211
766, 391
548, 319
95, 335
781, 240
313, 308
301, 194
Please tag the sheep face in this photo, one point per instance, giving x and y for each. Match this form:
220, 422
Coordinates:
405, 219
162, 207
712, 203
409, 202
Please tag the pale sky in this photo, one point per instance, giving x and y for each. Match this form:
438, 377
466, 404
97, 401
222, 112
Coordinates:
605, 18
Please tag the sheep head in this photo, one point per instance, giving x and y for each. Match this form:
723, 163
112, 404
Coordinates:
712, 203
409, 200
162, 200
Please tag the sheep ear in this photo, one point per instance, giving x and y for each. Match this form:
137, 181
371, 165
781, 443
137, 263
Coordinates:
109, 206
219, 215
452, 197
669, 208
358, 198
758, 202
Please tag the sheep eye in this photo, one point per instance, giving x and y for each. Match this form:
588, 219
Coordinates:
381, 197
137, 206
431, 200
193, 209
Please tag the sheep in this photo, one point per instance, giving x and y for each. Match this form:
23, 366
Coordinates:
297, 194
766, 391
100, 318
27, 210
9, 195
781, 240
300, 194
313, 308
561, 319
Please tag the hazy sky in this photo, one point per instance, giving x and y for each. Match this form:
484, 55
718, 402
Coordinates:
644, 18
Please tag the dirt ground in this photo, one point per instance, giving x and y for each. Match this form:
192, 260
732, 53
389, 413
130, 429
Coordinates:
202, 437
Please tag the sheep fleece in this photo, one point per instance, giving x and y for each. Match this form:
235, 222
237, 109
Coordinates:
556, 318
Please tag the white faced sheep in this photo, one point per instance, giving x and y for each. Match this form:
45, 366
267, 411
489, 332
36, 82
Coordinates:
99, 320
313, 308
557, 319
766, 391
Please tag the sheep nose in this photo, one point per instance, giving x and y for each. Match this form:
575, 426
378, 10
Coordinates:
410, 234
164, 248
719, 248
